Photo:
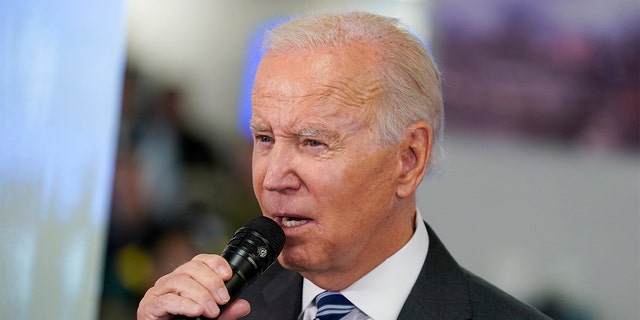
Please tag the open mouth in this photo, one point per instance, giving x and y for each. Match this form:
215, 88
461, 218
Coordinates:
289, 222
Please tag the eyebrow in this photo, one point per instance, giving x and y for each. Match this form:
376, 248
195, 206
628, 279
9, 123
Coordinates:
256, 127
314, 132
304, 133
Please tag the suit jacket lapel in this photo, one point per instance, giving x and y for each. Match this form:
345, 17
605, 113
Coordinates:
279, 296
441, 290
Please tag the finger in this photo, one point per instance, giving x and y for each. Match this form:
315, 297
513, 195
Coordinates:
236, 309
215, 284
164, 307
216, 263
191, 279
184, 285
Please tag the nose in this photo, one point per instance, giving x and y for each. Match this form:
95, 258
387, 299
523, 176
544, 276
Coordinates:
281, 169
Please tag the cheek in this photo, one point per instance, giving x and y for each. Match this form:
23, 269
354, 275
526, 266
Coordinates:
257, 174
371, 184
371, 174
328, 181
344, 191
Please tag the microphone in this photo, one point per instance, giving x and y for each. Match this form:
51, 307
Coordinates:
250, 252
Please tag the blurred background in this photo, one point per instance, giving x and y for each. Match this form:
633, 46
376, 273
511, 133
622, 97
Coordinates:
539, 194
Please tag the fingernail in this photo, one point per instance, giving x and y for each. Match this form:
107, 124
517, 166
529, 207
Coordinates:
223, 294
223, 271
212, 306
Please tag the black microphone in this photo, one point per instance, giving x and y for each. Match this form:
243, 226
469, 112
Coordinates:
251, 250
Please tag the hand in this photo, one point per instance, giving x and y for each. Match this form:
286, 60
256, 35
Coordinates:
193, 289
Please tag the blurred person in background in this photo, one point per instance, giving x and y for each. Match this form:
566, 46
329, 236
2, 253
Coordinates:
172, 197
347, 120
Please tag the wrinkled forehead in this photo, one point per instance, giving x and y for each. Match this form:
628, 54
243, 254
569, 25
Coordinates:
345, 75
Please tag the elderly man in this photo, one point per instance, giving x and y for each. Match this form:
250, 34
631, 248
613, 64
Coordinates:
347, 120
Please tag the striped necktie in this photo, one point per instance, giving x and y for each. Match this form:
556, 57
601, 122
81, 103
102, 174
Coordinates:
332, 306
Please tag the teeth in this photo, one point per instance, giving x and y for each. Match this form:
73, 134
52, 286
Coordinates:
291, 222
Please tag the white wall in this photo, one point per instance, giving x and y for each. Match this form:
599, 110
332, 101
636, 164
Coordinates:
533, 218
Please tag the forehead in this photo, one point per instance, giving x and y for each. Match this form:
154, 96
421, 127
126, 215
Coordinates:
346, 75
327, 83
306, 118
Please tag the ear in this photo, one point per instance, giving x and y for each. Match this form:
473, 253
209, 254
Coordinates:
415, 152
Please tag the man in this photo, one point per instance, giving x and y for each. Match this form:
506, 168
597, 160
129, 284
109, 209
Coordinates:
347, 119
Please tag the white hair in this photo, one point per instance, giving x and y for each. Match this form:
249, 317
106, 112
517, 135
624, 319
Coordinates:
409, 76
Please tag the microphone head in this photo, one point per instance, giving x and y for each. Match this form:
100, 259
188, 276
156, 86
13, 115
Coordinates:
269, 229
259, 241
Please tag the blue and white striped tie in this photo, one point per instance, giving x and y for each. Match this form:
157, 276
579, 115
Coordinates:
332, 306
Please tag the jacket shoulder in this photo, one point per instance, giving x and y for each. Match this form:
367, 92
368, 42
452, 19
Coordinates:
489, 302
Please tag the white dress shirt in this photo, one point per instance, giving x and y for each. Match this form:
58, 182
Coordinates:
381, 293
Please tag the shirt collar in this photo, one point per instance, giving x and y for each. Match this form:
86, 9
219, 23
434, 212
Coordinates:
377, 294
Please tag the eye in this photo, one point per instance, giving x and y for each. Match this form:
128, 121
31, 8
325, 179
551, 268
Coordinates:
313, 143
264, 139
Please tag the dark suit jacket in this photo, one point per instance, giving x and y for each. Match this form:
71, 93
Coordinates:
443, 290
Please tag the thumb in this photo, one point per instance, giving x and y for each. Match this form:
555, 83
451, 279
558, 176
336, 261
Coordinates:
236, 309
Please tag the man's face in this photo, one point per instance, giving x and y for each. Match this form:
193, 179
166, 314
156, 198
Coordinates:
319, 169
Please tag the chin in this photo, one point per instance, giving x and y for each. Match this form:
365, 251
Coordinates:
296, 262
